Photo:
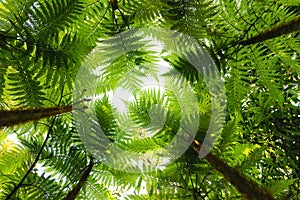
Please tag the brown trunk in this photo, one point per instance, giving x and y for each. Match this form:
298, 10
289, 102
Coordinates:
245, 186
114, 4
275, 31
85, 175
15, 117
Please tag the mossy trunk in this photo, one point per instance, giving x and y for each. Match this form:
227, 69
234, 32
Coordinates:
10, 118
248, 188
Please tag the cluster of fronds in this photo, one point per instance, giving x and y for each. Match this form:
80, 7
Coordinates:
255, 46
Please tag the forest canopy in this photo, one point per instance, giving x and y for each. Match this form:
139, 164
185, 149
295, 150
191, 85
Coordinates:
57, 136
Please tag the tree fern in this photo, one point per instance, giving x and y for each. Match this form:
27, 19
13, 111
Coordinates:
254, 44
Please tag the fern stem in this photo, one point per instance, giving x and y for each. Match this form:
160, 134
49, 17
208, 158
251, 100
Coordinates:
245, 186
275, 31
72, 194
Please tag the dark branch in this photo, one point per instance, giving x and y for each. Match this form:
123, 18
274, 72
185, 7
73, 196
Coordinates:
72, 194
245, 186
275, 31
9, 196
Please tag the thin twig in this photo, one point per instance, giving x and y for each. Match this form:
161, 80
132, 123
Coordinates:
34, 163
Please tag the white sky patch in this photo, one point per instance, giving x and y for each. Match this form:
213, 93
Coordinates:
297, 104
14, 138
121, 95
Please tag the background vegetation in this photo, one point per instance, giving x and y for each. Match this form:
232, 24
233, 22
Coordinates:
255, 45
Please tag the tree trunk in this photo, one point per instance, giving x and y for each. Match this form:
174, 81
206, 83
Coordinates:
72, 194
248, 188
15, 117
275, 31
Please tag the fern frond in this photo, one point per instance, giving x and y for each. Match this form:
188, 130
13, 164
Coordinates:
47, 17
23, 86
144, 12
190, 17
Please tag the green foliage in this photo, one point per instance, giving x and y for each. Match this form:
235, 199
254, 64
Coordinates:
44, 42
